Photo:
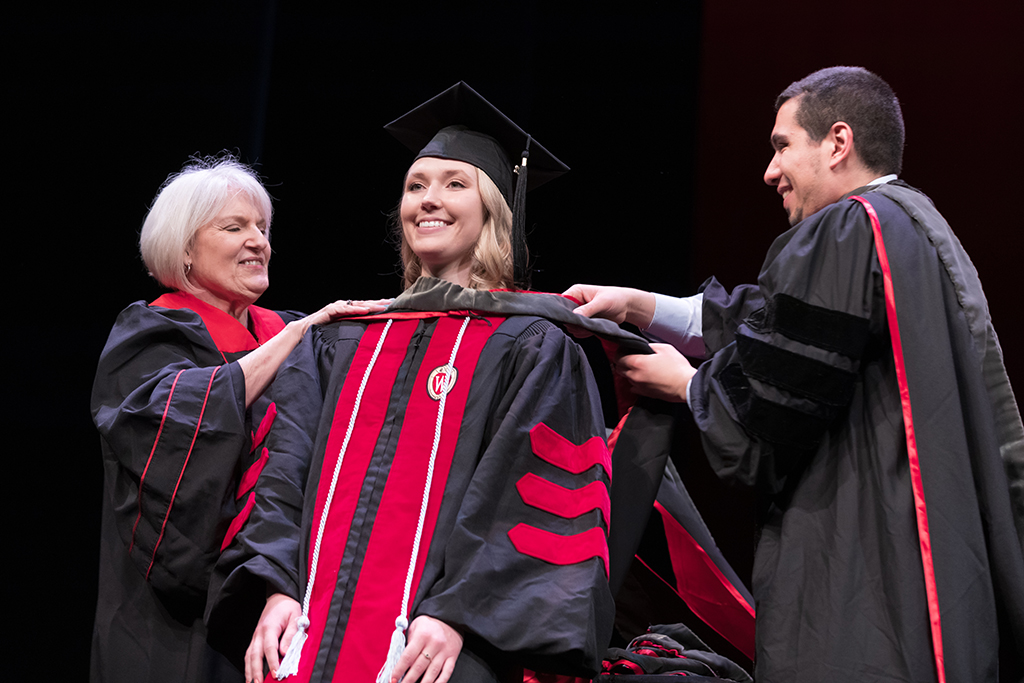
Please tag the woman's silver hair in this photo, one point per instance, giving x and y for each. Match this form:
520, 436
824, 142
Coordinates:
187, 201
492, 255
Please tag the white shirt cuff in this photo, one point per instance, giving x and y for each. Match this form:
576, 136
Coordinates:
677, 321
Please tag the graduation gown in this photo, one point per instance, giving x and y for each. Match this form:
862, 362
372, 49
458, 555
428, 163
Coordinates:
514, 549
181, 454
830, 393
514, 552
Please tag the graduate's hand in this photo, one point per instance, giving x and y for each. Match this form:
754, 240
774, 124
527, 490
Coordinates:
428, 636
618, 304
664, 374
274, 632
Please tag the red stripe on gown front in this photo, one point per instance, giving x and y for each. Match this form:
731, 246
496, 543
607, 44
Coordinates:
378, 596
372, 412
377, 599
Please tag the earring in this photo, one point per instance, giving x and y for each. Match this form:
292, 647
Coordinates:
188, 269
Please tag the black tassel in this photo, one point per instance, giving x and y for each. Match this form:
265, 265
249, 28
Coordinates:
520, 254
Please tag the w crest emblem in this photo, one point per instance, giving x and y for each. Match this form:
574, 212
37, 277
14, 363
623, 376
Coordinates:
441, 381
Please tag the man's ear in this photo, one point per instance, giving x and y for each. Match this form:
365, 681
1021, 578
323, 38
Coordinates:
840, 142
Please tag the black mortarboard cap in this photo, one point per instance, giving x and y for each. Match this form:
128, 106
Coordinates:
459, 124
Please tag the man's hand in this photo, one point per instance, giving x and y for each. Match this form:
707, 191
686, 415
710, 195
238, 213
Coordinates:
619, 304
274, 632
665, 374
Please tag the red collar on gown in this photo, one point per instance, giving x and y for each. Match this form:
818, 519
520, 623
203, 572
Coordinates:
228, 334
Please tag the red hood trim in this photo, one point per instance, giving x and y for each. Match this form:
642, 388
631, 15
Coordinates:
920, 507
704, 589
228, 334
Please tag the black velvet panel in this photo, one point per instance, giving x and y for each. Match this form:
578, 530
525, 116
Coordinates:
767, 420
796, 374
822, 327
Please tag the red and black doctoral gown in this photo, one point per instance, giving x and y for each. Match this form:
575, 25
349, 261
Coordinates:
181, 455
516, 552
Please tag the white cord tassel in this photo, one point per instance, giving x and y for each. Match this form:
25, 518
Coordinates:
290, 663
395, 651
402, 623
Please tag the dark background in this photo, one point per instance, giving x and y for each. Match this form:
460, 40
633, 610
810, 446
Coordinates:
662, 110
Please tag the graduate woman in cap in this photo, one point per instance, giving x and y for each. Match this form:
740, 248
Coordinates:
436, 504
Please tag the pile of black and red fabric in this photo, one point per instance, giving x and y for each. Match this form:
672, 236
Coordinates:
667, 652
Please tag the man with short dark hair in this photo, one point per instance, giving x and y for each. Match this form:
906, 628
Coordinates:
859, 387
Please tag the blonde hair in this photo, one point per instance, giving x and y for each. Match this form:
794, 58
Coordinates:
187, 201
491, 266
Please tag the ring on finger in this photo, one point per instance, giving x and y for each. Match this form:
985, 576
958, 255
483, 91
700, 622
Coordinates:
426, 655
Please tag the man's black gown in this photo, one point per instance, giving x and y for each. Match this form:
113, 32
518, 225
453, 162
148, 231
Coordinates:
802, 401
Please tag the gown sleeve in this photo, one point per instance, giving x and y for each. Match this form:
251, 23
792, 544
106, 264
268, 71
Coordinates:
172, 419
525, 567
265, 557
788, 368
723, 311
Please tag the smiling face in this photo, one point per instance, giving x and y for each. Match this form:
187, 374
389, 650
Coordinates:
230, 257
442, 216
800, 168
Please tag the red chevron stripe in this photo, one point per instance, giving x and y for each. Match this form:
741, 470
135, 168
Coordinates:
552, 447
548, 496
559, 549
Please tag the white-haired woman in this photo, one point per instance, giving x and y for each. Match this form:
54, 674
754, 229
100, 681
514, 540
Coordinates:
181, 403
458, 481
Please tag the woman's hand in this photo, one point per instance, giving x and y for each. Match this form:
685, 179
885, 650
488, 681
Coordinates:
274, 632
260, 366
346, 307
431, 651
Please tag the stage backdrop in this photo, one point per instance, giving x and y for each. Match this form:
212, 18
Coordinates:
662, 110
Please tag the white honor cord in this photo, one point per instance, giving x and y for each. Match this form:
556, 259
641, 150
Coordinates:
290, 663
402, 622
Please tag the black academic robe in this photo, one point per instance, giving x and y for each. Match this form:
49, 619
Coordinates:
181, 454
822, 390
514, 551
